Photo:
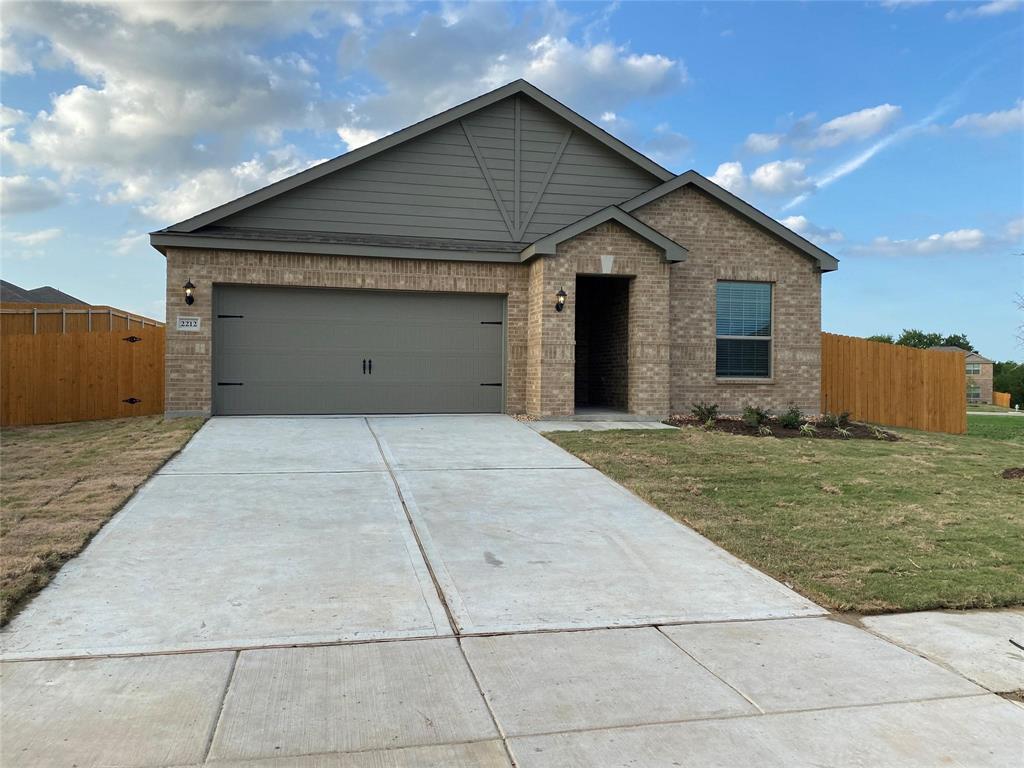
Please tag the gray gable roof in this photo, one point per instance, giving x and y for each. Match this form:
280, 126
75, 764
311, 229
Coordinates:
446, 118
546, 246
827, 261
44, 295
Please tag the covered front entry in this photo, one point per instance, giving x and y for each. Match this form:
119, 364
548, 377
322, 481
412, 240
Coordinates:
323, 351
602, 343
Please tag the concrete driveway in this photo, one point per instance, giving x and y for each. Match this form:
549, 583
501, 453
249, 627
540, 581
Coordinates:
294, 552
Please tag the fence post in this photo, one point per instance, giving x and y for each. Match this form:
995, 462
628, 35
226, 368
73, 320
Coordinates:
35, 320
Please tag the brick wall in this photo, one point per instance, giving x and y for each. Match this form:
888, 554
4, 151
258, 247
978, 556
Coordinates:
984, 382
725, 246
671, 337
188, 361
610, 249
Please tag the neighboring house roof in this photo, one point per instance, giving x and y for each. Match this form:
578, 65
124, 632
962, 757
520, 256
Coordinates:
827, 261
44, 295
547, 245
971, 357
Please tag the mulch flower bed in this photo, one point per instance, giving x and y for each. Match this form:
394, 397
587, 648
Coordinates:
737, 426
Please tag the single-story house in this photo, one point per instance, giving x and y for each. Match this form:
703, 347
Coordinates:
979, 372
506, 255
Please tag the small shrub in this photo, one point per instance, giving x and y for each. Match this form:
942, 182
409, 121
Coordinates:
756, 417
879, 434
705, 412
808, 430
842, 432
792, 419
709, 424
764, 430
835, 420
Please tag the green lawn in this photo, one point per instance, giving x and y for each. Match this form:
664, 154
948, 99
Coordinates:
865, 525
996, 427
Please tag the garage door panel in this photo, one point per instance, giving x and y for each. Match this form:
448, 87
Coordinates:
291, 350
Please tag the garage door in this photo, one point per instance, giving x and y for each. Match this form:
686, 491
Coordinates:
308, 350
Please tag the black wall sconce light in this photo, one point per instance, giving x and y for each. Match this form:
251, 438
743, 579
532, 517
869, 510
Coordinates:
560, 298
190, 292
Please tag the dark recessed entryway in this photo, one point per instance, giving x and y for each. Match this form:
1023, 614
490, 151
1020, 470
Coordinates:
602, 342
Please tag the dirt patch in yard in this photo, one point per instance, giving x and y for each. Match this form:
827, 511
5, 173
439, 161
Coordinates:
1013, 473
62, 482
736, 426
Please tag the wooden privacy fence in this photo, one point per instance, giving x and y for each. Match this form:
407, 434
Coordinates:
100, 374
18, 318
1001, 398
893, 385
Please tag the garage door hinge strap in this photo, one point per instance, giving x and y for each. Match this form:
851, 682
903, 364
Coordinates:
238, 316
496, 384
491, 322
229, 384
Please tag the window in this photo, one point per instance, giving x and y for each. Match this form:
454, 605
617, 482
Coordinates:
973, 369
743, 328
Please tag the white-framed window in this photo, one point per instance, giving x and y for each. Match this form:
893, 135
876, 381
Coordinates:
743, 330
973, 369
973, 392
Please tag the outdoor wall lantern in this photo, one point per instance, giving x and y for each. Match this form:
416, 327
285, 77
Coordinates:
560, 298
190, 291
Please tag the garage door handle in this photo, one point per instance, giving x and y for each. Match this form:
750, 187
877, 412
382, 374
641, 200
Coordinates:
364, 366
370, 367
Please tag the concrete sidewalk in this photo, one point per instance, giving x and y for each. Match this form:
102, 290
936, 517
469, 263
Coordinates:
447, 591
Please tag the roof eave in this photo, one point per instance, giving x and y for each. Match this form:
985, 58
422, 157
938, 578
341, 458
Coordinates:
548, 245
162, 240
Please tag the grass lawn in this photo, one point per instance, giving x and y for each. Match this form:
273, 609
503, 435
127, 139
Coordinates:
996, 427
62, 482
864, 525
987, 408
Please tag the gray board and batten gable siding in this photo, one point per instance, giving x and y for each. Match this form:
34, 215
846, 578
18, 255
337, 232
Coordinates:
511, 172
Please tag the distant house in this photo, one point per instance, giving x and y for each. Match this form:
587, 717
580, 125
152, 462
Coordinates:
45, 295
978, 370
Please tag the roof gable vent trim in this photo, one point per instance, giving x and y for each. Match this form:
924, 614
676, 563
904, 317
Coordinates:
548, 245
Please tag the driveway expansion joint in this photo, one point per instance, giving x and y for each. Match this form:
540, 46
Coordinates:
384, 454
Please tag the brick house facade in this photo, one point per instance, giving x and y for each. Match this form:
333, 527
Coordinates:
642, 271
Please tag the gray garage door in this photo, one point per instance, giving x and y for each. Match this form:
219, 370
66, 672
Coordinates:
307, 350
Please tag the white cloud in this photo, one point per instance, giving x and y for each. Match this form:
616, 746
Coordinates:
36, 238
22, 194
991, 8
855, 126
1015, 228
955, 241
130, 242
781, 177
159, 77
730, 176
213, 186
762, 143
10, 116
994, 123
12, 59
666, 145
357, 137
484, 47
818, 235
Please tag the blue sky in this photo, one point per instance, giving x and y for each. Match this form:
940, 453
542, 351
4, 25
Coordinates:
890, 133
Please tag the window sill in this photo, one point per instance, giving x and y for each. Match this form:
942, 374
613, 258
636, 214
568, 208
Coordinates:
742, 380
